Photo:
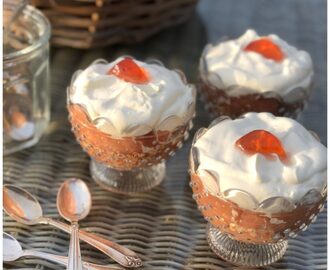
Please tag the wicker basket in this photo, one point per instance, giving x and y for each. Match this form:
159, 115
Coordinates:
96, 23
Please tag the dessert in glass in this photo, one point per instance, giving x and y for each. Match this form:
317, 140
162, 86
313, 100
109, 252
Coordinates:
255, 74
258, 180
130, 116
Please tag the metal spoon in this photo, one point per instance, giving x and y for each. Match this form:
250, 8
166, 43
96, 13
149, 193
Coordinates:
23, 207
12, 251
74, 202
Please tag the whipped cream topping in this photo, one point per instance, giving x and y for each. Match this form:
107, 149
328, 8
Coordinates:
122, 108
227, 64
256, 174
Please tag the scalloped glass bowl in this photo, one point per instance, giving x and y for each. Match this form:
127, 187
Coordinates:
129, 164
257, 234
237, 100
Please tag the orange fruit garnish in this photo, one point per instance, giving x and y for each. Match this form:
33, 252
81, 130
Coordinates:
266, 48
263, 142
129, 71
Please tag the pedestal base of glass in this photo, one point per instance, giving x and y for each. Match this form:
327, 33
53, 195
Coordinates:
127, 182
241, 253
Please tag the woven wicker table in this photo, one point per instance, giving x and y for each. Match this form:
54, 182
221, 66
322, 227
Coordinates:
163, 226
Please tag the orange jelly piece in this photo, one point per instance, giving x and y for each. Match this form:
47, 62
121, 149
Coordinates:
266, 48
129, 71
263, 142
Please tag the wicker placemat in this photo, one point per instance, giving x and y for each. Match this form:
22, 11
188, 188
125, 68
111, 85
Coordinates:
163, 226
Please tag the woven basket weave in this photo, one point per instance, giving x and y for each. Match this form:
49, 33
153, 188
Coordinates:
96, 23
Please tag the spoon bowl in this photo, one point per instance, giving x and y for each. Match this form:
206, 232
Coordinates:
21, 205
74, 203
74, 200
12, 249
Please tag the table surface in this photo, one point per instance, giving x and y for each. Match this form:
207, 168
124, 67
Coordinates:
164, 226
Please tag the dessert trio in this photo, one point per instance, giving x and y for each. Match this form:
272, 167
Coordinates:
257, 175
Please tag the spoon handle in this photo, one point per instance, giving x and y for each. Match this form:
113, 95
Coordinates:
119, 253
64, 260
74, 262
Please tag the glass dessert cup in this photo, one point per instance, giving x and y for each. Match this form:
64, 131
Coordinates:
236, 100
129, 164
257, 234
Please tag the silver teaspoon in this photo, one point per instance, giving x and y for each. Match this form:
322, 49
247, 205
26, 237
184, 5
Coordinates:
23, 207
12, 251
74, 202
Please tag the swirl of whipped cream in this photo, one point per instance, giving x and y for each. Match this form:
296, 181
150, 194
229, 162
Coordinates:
122, 108
227, 64
256, 174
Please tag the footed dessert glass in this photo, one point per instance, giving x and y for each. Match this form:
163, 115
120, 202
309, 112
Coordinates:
256, 235
129, 164
236, 100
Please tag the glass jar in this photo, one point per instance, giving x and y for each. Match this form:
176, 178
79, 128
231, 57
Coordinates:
26, 109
